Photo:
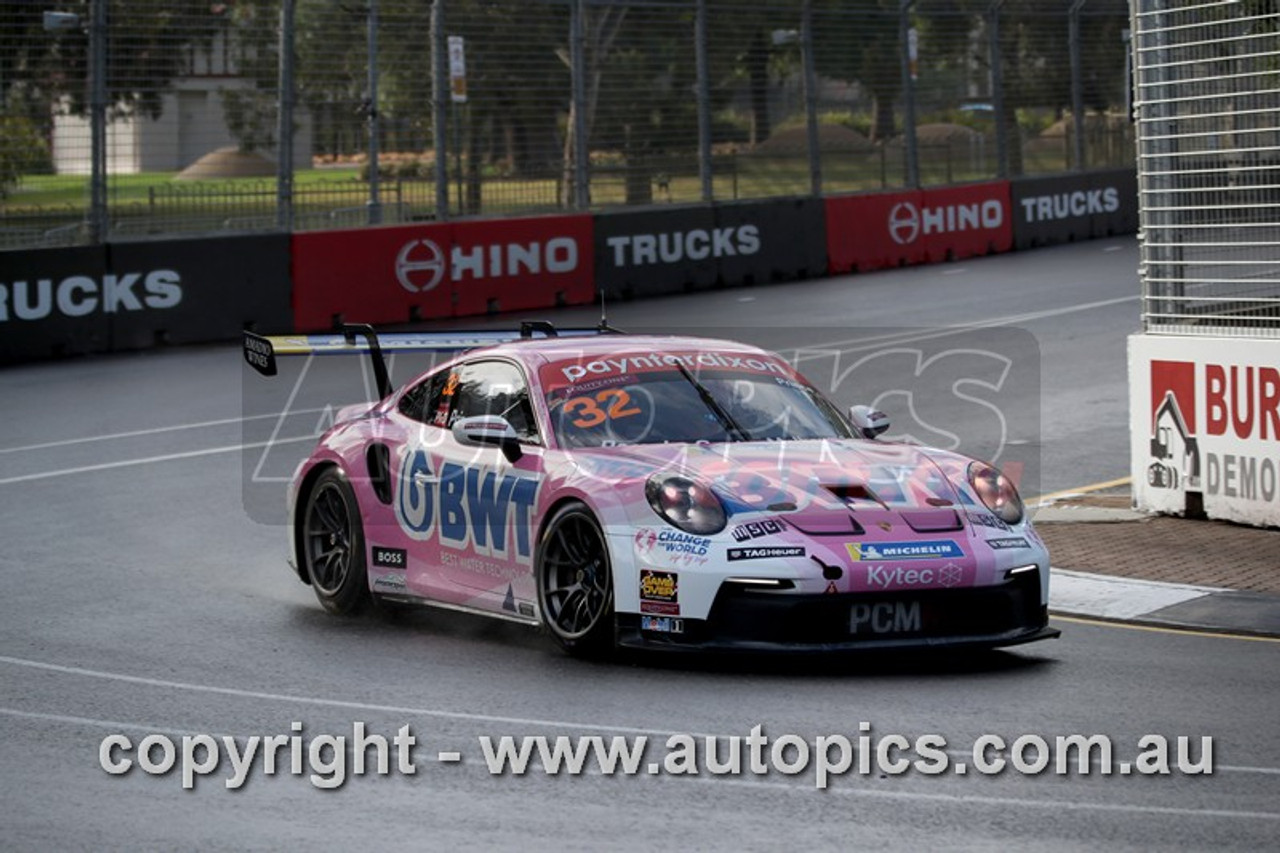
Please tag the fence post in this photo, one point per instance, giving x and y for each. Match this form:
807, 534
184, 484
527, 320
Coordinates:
908, 94
439, 112
1077, 81
284, 130
375, 178
98, 221
578, 70
810, 97
704, 100
997, 87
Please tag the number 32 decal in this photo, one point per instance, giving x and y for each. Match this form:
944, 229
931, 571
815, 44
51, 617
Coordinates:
611, 403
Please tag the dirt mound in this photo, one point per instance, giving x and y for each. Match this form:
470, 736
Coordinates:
228, 162
831, 137
1093, 123
945, 134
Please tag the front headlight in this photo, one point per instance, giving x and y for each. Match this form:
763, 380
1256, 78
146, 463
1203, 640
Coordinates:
996, 491
686, 504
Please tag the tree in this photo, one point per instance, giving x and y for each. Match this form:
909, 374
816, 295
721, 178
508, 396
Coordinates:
22, 150
860, 44
600, 29
148, 44
252, 46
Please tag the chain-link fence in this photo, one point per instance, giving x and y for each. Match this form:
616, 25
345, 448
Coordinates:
1208, 109
157, 117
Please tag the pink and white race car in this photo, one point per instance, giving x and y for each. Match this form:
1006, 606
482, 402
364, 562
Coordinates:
653, 492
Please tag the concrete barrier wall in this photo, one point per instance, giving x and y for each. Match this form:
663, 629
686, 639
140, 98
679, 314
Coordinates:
133, 295
121, 296
1063, 208
1204, 426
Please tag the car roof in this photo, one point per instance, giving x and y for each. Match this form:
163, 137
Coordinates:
541, 350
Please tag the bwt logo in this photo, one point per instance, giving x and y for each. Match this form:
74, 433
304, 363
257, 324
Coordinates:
421, 264
907, 222
81, 295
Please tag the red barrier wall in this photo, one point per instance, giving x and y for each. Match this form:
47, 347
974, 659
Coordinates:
878, 230
405, 273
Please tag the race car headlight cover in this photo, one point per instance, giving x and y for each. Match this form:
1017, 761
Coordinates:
996, 491
686, 504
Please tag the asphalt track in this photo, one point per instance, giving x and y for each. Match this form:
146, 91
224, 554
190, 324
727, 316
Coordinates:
145, 591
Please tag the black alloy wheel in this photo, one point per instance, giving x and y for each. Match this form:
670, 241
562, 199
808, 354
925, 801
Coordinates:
333, 544
575, 582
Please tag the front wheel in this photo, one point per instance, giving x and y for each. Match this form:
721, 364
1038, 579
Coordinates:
333, 544
575, 582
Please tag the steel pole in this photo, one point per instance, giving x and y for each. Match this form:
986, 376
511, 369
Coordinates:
577, 57
375, 179
1077, 82
810, 97
704, 100
440, 113
997, 87
908, 96
98, 222
284, 129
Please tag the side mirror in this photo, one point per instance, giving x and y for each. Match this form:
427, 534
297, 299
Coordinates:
488, 431
868, 421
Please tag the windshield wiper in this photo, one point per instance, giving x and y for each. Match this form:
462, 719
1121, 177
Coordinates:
726, 419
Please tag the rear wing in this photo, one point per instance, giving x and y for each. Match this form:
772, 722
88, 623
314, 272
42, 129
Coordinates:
260, 351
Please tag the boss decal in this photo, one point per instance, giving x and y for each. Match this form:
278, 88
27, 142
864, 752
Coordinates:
756, 529
466, 507
390, 558
765, 553
1012, 542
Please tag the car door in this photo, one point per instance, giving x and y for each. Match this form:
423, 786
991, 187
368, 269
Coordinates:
472, 506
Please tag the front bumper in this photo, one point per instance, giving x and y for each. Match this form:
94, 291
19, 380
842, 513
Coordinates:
745, 620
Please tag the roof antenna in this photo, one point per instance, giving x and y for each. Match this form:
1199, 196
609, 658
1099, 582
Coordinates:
604, 326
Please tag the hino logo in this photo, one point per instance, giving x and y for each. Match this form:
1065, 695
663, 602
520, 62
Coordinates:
421, 264
907, 222
904, 223
80, 295
1044, 208
695, 245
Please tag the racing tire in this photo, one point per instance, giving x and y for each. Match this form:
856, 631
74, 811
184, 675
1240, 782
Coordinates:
575, 582
333, 551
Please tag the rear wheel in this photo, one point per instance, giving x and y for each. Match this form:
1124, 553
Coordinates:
575, 582
333, 544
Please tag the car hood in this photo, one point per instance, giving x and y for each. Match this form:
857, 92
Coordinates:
817, 484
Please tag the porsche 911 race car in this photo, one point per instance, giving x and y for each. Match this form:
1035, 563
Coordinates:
654, 492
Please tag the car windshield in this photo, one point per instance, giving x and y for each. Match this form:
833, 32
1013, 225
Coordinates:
683, 397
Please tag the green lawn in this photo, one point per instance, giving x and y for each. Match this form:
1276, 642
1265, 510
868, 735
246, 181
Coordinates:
155, 203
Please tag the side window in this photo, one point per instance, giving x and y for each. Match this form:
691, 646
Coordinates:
494, 388
426, 401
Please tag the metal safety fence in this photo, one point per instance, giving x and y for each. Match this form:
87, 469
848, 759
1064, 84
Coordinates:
1207, 78
163, 117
